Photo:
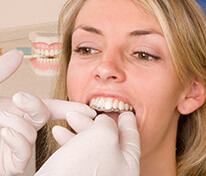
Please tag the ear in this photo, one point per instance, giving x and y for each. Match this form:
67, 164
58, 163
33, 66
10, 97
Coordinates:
192, 98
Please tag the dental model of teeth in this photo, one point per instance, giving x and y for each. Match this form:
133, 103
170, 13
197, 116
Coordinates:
109, 105
47, 48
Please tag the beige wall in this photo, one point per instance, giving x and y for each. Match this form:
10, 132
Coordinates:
14, 13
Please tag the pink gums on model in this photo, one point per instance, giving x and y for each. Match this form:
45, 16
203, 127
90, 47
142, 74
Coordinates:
47, 52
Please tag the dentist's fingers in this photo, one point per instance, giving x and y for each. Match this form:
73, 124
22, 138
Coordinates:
20, 147
105, 127
62, 135
35, 110
6, 163
105, 121
129, 137
19, 125
9, 63
78, 121
59, 108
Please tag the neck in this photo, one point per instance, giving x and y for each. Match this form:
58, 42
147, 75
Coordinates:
162, 161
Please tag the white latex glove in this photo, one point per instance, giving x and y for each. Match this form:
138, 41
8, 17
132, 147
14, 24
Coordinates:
9, 63
21, 118
19, 131
19, 127
99, 149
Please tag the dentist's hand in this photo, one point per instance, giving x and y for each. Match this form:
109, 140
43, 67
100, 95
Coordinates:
15, 148
101, 148
21, 117
9, 63
19, 124
19, 127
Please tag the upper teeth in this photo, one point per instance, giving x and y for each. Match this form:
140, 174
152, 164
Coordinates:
109, 105
51, 53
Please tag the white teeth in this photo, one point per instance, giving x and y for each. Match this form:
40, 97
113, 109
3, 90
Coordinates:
51, 53
100, 104
109, 105
126, 107
46, 53
92, 102
56, 52
38, 51
121, 106
115, 104
51, 61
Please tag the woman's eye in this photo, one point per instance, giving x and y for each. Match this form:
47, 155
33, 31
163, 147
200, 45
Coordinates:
85, 50
145, 56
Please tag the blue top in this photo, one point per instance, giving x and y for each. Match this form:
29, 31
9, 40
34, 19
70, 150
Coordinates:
202, 3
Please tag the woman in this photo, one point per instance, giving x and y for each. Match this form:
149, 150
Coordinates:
147, 57
150, 55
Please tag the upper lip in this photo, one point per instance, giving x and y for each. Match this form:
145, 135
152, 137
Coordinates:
107, 94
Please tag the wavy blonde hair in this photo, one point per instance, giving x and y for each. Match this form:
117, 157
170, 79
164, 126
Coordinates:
184, 26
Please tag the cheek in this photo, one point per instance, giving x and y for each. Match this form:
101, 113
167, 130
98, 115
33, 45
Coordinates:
157, 90
70, 83
75, 82
159, 96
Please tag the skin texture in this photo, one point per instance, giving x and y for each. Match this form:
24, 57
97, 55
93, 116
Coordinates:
108, 59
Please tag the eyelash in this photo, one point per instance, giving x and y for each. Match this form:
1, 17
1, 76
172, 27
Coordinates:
142, 55
145, 56
81, 50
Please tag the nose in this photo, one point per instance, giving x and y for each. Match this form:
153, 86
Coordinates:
110, 68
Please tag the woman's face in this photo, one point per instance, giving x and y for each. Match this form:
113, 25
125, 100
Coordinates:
120, 58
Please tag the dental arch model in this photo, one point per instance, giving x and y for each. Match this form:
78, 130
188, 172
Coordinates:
47, 52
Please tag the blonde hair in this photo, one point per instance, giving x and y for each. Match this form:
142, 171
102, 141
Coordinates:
184, 26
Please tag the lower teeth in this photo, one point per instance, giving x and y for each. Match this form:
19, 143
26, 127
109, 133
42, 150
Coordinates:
106, 110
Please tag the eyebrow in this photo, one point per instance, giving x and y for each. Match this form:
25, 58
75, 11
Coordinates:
140, 32
89, 29
144, 32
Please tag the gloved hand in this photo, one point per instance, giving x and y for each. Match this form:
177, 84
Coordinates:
19, 127
9, 63
101, 148
11, 141
19, 132
21, 118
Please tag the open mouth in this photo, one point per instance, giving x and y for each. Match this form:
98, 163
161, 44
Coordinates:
107, 104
